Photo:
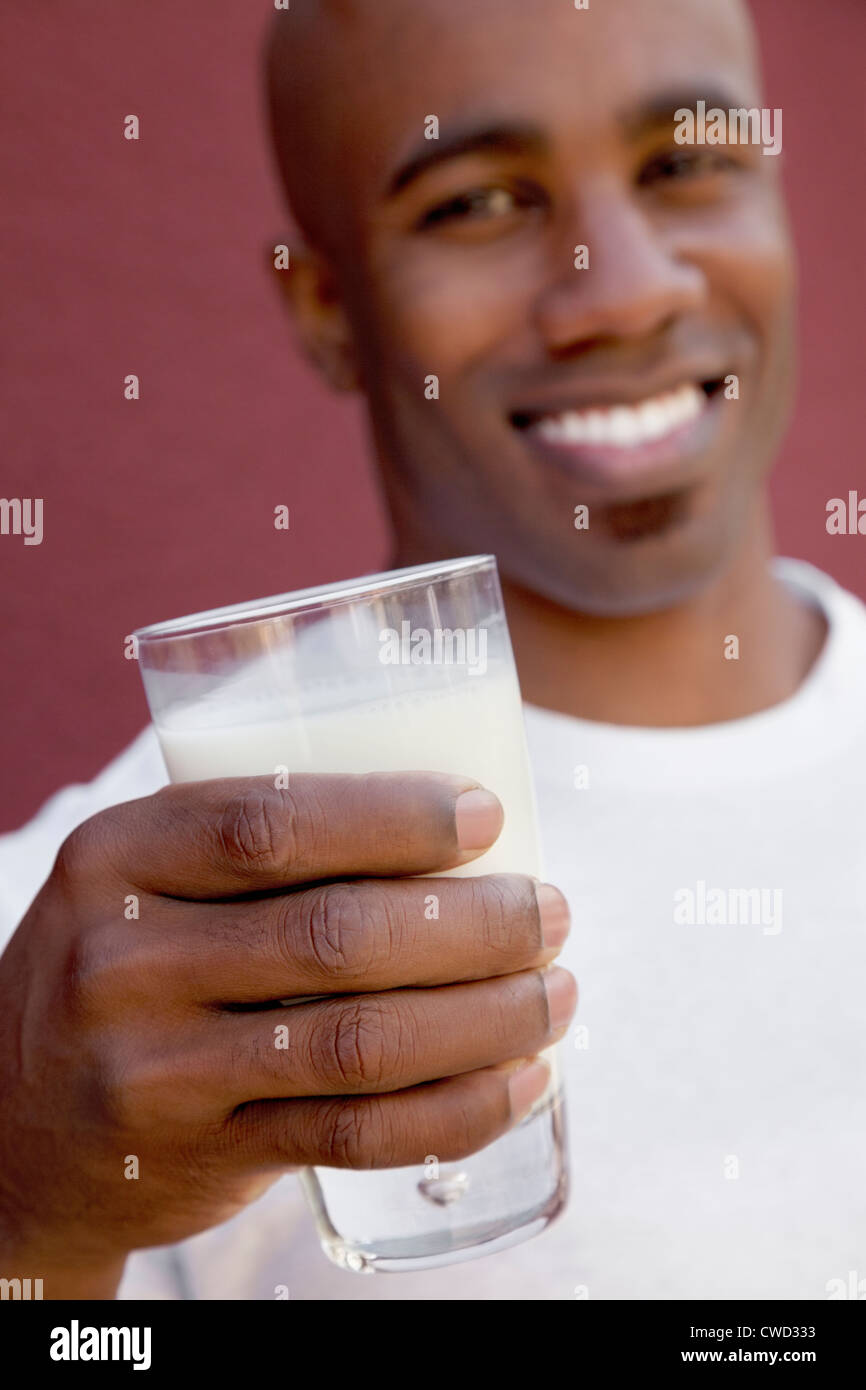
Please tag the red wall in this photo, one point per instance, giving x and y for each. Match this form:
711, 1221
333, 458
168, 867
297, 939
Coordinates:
148, 257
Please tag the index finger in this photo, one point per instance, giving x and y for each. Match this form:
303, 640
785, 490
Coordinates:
236, 835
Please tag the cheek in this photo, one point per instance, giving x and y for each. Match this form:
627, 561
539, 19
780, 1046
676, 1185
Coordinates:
751, 269
441, 318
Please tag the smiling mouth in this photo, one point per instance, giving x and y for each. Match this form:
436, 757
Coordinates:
622, 426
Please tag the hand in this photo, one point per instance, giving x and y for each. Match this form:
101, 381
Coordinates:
145, 1097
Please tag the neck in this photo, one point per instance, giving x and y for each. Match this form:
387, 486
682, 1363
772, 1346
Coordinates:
668, 669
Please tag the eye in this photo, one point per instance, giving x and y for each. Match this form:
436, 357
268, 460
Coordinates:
486, 204
681, 165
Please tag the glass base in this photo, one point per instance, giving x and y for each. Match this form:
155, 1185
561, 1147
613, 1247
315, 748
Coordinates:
470, 1217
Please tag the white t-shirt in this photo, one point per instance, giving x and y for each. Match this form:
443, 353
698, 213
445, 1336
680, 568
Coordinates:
715, 1073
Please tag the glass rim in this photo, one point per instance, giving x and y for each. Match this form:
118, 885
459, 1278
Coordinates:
317, 596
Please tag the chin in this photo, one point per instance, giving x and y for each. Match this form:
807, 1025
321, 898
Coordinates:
629, 576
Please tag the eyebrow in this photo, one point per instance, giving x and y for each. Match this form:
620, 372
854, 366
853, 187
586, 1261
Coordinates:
660, 109
513, 138
525, 138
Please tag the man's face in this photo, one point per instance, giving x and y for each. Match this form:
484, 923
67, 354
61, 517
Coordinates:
556, 130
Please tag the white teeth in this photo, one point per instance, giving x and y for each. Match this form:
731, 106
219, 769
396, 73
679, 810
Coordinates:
625, 426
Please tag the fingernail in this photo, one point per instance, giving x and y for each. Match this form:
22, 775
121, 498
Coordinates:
554, 914
561, 996
479, 818
526, 1085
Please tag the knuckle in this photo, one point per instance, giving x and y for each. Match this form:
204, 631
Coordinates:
358, 1052
503, 901
91, 971
462, 1137
132, 1093
468, 1130
260, 828
521, 1009
338, 931
355, 1134
511, 1014
77, 853
521, 991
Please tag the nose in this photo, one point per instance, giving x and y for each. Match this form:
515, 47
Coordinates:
635, 282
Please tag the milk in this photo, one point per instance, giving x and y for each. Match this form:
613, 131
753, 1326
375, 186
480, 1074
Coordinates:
474, 728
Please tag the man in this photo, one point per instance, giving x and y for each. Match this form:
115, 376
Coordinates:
695, 724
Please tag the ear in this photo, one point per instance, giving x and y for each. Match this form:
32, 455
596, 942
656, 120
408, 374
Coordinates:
309, 289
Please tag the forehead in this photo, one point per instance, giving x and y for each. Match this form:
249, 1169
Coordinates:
351, 83
394, 62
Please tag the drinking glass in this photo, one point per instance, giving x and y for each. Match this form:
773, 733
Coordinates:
406, 670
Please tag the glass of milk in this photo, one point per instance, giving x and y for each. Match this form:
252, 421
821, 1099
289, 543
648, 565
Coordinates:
403, 671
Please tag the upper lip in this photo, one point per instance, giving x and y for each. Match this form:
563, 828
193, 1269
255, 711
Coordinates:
602, 392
